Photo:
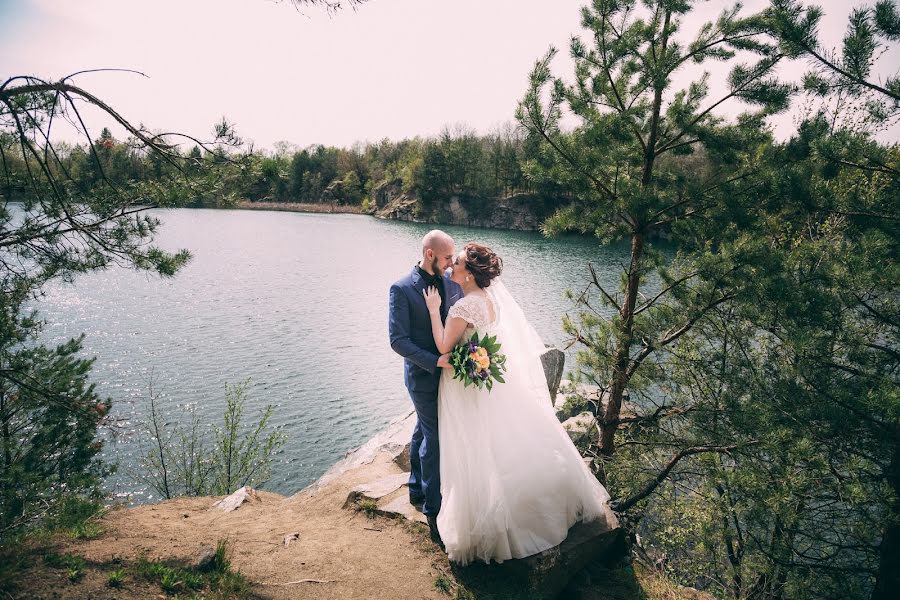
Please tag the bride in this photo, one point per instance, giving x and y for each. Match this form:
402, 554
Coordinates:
512, 481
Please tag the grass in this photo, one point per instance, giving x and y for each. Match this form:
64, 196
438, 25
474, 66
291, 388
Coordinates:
116, 578
26, 554
463, 594
655, 586
73, 564
86, 531
369, 507
78, 519
221, 562
422, 537
75, 574
218, 581
443, 584
64, 561
12, 563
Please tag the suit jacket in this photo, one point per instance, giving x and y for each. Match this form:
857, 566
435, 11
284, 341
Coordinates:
409, 328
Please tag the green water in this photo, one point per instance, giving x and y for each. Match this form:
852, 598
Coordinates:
295, 302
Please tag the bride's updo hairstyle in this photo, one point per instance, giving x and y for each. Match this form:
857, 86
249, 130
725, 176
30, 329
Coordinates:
482, 263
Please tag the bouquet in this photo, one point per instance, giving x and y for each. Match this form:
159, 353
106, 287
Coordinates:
478, 362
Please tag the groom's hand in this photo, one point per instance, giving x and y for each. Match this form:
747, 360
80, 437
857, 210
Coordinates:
444, 361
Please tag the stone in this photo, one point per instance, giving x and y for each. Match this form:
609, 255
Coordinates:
402, 458
401, 208
290, 537
581, 426
234, 501
400, 507
205, 559
394, 441
387, 191
553, 361
376, 490
584, 392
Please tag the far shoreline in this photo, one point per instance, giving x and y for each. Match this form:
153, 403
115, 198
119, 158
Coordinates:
312, 207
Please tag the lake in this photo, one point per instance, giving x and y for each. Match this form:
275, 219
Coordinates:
297, 304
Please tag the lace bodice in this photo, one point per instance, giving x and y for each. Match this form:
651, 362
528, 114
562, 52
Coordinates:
474, 309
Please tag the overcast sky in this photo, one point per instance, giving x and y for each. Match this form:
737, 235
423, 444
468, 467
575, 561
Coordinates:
391, 69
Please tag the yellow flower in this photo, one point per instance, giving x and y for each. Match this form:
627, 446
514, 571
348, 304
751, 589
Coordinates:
481, 352
484, 362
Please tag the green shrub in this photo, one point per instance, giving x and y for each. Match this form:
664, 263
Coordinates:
184, 460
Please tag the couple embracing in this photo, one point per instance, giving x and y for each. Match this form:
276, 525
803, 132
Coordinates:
493, 471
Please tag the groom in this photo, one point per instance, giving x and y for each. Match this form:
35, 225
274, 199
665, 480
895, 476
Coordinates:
409, 327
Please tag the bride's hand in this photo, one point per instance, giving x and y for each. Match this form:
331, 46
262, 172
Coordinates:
432, 298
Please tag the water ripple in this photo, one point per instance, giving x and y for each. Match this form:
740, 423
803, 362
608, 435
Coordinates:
296, 303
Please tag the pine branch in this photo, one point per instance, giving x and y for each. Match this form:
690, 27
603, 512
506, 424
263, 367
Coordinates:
650, 486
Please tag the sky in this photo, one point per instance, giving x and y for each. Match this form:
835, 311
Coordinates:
390, 69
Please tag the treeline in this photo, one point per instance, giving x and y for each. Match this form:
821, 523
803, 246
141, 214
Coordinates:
457, 163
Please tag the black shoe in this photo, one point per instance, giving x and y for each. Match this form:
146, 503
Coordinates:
435, 534
417, 501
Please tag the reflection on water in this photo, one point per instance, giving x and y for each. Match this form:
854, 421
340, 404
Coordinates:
298, 304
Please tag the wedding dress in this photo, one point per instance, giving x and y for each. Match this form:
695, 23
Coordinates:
512, 482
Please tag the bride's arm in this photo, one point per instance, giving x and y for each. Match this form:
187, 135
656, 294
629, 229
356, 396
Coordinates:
446, 337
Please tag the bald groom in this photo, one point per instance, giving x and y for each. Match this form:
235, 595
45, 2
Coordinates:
409, 326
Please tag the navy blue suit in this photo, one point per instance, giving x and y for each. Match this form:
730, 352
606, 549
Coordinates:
409, 326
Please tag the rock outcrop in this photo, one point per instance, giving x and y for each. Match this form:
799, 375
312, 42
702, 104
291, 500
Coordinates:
553, 361
521, 211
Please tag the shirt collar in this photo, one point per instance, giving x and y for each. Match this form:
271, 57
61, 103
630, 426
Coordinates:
428, 277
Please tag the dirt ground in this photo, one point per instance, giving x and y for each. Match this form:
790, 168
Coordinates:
339, 553
345, 553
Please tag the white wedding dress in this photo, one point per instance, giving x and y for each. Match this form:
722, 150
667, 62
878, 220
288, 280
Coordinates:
512, 482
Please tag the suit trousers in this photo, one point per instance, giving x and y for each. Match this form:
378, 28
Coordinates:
425, 453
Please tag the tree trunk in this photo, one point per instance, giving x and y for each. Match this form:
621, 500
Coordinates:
622, 355
888, 577
623, 350
731, 548
7, 442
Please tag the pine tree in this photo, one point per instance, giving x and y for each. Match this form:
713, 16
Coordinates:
647, 159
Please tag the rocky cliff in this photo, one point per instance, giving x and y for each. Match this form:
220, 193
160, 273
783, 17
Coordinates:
519, 211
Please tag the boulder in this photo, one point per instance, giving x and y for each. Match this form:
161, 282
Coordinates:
580, 427
387, 191
376, 490
553, 361
390, 495
520, 211
401, 208
578, 394
234, 501
546, 575
393, 441
205, 559
400, 507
